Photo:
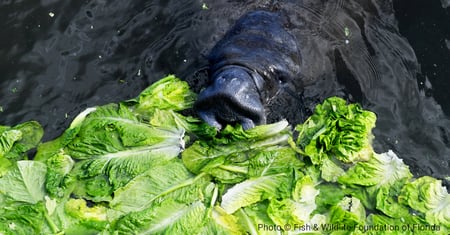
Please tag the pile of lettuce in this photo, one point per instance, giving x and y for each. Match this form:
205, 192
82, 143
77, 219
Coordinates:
143, 166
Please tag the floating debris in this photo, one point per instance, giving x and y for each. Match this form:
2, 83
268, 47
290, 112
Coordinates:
204, 6
51, 14
346, 32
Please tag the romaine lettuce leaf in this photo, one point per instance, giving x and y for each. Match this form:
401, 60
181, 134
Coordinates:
114, 128
25, 182
160, 182
255, 190
380, 169
348, 212
411, 224
274, 160
387, 200
7, 140
22, 218
330, 170
93, 216
165, 217
192, 126
169, 93
296, 209
219, 222
16, 141
254, 217
111, 146
58, 168
233, 142
337, 130
428, 196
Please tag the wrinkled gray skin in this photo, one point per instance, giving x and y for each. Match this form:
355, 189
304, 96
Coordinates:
248, 66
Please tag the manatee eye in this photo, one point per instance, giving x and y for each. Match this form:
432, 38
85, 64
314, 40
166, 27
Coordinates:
283, 78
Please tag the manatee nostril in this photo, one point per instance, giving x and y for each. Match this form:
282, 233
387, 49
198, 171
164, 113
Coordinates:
232, 98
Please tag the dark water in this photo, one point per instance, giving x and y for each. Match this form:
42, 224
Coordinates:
60, 57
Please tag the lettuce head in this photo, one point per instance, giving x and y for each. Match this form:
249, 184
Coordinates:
427, 195
337, 130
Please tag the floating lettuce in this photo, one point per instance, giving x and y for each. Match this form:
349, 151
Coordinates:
16, 141
24, 182
381, 170
142, 166
228, 155
111, 146
337, 130
168, 93
427, 195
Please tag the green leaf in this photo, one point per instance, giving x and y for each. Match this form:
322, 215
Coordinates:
7, 140
166, 217
273, 160
255, 190
111, 147
349, 211
16, 141
254, 217
427, 195
22, 218
169, 180
25, 182
331, 171
58, 168
93, 216
410, 224
234, 142
387, 200
112, 128
297, 209
329, 195
192, 126
219, 222
337, 130
381, 169
169, 93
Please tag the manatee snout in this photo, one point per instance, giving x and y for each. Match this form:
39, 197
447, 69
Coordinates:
233, 97
246, 67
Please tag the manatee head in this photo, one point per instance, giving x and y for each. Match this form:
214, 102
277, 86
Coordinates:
233, 97
247, 67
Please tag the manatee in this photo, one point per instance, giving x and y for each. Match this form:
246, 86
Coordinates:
247, 67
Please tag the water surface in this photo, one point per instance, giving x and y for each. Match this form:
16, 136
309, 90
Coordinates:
60, 57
